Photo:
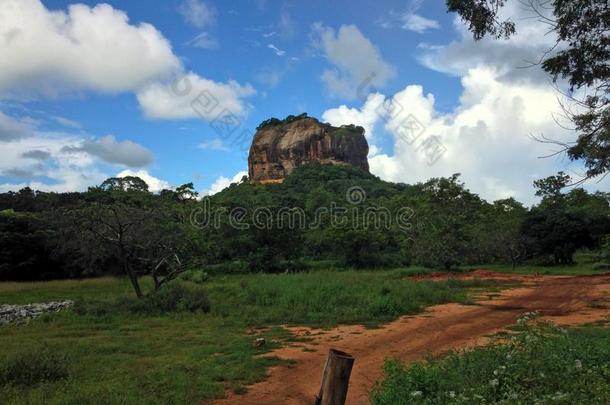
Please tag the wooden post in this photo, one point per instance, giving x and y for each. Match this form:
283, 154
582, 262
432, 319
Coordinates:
335, 379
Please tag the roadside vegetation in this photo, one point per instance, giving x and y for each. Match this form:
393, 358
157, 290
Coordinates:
541, 364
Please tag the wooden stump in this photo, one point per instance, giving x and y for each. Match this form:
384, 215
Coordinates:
335, 379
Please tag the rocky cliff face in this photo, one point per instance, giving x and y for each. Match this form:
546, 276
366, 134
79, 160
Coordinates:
280, 146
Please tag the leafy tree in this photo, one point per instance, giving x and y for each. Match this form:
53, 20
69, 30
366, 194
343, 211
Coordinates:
123, 223
444, 228
582, 28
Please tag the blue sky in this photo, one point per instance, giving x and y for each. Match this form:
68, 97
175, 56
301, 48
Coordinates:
86, 90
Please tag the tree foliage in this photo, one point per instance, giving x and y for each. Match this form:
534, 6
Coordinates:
122, 228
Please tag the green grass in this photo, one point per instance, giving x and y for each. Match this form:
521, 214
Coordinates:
543, 365
155, 360
185, 357
327, 298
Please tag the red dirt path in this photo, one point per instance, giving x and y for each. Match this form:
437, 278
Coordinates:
564, 300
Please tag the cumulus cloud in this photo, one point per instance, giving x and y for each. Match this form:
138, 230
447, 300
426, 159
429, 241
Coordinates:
92, 48
154, 184
41, 163
223, 182
197, 13
512, 58
126, 153
45, 53
193, 96
367, 116
487, 138
59, 161
356, 61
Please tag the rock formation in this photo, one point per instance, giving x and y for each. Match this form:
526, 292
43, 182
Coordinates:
279, 146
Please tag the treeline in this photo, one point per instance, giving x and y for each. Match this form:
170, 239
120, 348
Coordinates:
340, 216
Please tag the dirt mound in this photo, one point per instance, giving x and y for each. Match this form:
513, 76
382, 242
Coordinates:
565, 300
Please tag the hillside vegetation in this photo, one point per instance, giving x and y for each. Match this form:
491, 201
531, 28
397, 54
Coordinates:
336, 215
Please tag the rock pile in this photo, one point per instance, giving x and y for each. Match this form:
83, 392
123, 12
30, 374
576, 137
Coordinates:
19, 313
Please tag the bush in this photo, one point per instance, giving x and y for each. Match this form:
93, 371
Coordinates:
173, 297
541, 365
601, 266
33, 367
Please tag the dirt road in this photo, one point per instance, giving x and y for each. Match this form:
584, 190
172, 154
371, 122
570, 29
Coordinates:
564, 300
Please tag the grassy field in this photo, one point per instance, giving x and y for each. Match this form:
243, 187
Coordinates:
541, 364
185, 357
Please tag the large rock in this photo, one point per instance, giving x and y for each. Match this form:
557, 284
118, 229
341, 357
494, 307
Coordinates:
279, 147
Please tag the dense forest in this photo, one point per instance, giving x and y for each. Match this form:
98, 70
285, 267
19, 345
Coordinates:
336, 215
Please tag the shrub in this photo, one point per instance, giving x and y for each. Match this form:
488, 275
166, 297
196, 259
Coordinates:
33, 367
541, 365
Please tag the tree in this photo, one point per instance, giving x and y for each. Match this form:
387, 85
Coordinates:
582, 28
564, 222
122, 222
445, 217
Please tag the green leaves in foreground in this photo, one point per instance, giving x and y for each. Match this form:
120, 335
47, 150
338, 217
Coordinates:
541, 365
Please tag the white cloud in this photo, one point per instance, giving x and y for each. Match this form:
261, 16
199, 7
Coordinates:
214, 144
487, 137
59, 161
512, 58
357, 62
126, 153
154, 184
41, 157
417, 23
197, 13
366, 117
12, 128
193, 96
223, 182
277, 51
45, 52
203, 41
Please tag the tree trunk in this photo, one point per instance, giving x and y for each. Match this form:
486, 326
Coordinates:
135, 283
132, 276
335, 380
